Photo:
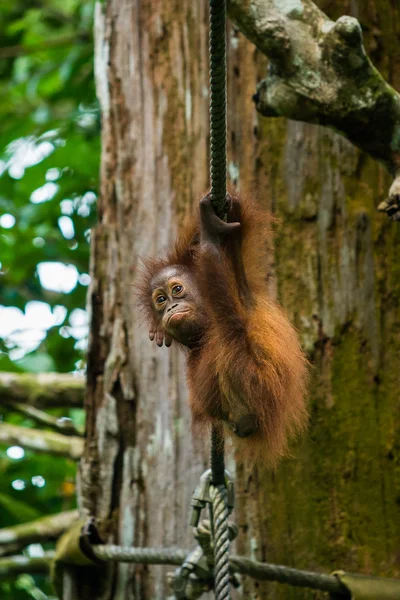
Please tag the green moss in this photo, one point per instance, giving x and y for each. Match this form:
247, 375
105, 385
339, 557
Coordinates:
336, 505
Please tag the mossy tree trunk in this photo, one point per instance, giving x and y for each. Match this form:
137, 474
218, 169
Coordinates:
336, 503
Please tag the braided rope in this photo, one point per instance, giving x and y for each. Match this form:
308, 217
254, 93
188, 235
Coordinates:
220, 514
283, 574
238, 564
217, 455
150, 556
217, 53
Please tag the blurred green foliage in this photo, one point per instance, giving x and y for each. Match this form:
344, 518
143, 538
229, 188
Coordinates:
49, 162
49, 153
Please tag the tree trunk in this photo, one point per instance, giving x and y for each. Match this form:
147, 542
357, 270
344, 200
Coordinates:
335, 504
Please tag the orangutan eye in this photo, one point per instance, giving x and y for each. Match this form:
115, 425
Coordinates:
177, 289
160, 299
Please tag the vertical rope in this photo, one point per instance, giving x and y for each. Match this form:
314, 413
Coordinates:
217, 455
217, 54
217, 58
220, 515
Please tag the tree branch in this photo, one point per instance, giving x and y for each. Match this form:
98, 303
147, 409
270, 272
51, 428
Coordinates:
14, 565
61, 425
319, 73
52, 390
42, 441
40, 530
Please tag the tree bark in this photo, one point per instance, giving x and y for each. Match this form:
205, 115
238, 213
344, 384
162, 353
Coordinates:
141, 463
335, 504
320, 73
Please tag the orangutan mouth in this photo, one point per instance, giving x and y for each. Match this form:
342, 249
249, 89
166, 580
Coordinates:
179, 314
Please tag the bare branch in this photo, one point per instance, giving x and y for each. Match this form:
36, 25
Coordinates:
40, 530
50, 390
61, 425
320, 73
14, 565
42, 441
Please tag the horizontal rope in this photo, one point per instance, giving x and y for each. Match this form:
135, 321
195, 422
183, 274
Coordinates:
283, 574
239, 564
145, 556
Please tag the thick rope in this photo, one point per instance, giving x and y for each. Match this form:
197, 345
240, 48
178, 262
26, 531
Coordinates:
217, 455
238, 564
221, 541
217, 57
217, 54
145, 556
282, 574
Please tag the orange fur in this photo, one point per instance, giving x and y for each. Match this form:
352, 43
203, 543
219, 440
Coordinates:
249, 359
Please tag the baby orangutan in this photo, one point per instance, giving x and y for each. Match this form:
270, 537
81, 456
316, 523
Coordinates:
245, 366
